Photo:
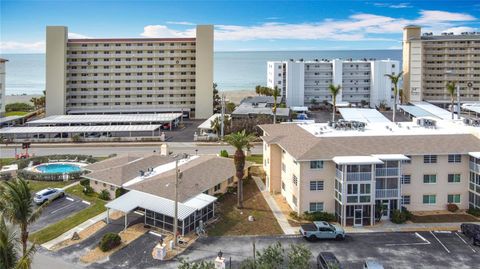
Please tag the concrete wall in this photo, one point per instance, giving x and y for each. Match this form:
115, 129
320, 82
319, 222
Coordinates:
2, 86
204, 72
56, 62
295, 83
327, 174
382, 87
411, 36
98, 187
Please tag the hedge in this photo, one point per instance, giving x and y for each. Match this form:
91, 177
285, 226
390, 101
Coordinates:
30, 175
23, 163
318, 216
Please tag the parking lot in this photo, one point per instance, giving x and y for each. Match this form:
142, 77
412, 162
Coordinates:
393, 250
58, 210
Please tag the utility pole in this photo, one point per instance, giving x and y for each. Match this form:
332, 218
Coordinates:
222, 132
175, 219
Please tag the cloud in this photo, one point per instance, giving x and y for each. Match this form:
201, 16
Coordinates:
180, 22
390, 5
459, 30
75, 35
164, 31
22, 47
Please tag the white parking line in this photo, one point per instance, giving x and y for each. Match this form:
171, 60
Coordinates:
446, 249
425, 242
85, 202
70, 199
474, 251
61, 208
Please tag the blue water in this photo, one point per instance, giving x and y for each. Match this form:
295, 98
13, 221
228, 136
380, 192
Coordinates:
232, 70
58, 168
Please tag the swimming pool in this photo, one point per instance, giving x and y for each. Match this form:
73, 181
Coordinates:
51, 168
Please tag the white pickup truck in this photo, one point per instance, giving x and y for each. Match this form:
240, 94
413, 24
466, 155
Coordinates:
322, 230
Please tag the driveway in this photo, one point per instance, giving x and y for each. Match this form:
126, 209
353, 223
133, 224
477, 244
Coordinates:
393, 250
57, 210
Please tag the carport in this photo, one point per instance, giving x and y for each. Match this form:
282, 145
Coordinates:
159, 212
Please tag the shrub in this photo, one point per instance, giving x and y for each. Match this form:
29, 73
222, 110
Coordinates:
76, 138
104, 195
85, 182
293, 215
474, 211
18, 107
231, 189
452, 207
87, 190
109, 241
318, 216
407, 213
119, 192
398, 216
224, 153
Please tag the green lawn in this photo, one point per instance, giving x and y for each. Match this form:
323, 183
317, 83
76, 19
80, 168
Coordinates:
255, 158
6, 161
16, 113
53, 231
40, 185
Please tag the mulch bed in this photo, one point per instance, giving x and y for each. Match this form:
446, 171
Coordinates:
444, 218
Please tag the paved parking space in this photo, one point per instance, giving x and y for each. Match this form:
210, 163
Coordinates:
452, 242
58, 210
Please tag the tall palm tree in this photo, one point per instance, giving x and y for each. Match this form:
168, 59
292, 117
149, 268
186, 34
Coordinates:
395, 79
451, 91
240, 141
8, 249
275, 94
16, 203
258, 89
334, 90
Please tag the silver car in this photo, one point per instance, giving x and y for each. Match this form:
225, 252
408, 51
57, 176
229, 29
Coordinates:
49, 194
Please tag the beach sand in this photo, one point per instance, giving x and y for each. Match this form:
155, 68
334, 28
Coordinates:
237, 96
20, 98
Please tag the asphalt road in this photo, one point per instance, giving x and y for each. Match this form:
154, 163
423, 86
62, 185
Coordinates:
99, 150
58, 210
393, 250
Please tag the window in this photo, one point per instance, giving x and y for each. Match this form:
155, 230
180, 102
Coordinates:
405, 199
430, 199
453, 178
454, 158
453, 198
406, 179
429, 158
217, 187
294, 200
316, 164
284, 168
316, 207
283, 185
295, 180
429, 179
316, 185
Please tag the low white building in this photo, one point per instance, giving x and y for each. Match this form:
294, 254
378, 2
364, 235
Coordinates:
362, 81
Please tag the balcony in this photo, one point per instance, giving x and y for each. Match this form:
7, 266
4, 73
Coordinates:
339, 174
359, 176
475, 167
387, 172
386, 193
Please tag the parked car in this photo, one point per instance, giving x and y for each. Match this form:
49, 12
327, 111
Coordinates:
49, 194
165, 126
322, 230
327, 260
39, 136
60, 135
471, 231
372, 264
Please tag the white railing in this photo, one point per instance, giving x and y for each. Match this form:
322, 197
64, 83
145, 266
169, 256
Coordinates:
359, 176
386, 193
392, 171
339, 174
475, 167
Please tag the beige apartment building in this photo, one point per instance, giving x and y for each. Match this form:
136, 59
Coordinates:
129, 75
2, 86
430, 61
362, 172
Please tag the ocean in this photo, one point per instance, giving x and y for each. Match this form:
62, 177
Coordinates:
232, 71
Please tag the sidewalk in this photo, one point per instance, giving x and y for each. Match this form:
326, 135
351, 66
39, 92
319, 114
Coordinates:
68, 234
282, 220
387, 226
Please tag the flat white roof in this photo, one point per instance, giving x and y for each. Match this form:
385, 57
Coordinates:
366, 115
416, 111
78, 129
10, 118
133, 199
128, 110
356, 160
123, 118
208, 123
474, 154
391, 157
433, 109
299, 108
473, 108
340, 103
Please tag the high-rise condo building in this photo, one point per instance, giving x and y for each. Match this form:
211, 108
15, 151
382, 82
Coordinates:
431, 61
362, 81
2, 85
129, 75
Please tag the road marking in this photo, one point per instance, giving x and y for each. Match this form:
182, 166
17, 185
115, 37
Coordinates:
156, 234
61, 208
85, 202
425, 242
446, 249
70, 199
463, 240
442, 232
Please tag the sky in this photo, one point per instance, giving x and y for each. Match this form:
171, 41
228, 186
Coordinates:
239, 25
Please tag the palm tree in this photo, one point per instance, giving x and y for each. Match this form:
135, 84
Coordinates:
258, 89
275, 94
240, 141
451, 90
395, 79
16, 203
334, 90
8, 249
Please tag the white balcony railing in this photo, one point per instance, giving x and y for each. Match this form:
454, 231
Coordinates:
392, 171
475, 167
359, 176
386, 193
